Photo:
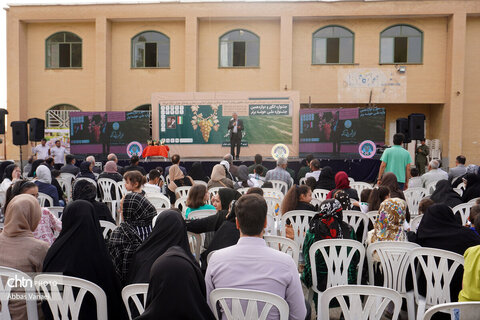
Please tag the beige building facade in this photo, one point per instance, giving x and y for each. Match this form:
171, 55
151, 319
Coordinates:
441, 83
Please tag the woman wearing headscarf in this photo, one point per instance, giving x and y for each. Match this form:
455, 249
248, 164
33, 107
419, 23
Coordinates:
219, 178
197, 173
80, 252
445, 194
326, 180
11, 174
86, 170
85, 190
3, 166
169, 231
44, 184
326, 224
138, 213
440, 229
177, 179
18, 248
110, 172
472, 189
176, 289
390, 220
35, 165
390, 181
342, 183
243, 179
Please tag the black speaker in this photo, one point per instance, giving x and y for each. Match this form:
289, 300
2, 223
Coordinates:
402, 127
416, 126
3, 112
37, 129
19, 133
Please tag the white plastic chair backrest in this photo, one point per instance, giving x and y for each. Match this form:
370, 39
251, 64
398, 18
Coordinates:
230, 302
299, 220
355, 219
158, 200
376, 300
413, 197
458, 190
182, 191
473, 201
372, 215
107, 227
320, 194
150, 188
213, 192
167, 178
242, 191
3, 197
8, 275
462, 186
273, 205
315, 202
62, 301
106, 185
164, 186
351, 179
464, 210
415, 222
200, 182
200, 214
337, 254
45, 200
285, 245
122, 191
359, 186
195, 241
280, 185
274, 193
85, 178
66, 187
301, 181
271, 227
464, 310
57, 211
394, 262
67, 177
438, 266
180, 203
431, 187
133, 291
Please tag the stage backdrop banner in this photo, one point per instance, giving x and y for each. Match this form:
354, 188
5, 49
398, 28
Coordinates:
105, 132
188, 119
340, 131
54, 134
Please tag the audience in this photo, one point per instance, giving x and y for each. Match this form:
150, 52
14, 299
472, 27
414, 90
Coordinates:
197, 172
5, 164
218, 178
257, 177
343, 198
153, 182
44, 184
85, 190
232, 169
297, 198
86, 168
134, 161
113, 157
28, 166
70, 166
363, 204
254, 167
459, 170
305, 167
197, 199
396, 160
377, 196
390, 221
342, 183
134, 181
12, 173
472, 189
389, 180
243, 178
445, 194
280, 172
175, 161
18, 247
177, 179
253, 264
434, 174
80, 252
415, 181
311, 182
314, 170
255, 190
326, 180
33, 170
472, 217
424, 204
110, 171
94, 167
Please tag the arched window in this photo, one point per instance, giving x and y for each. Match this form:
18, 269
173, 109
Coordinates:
150, 49
64, 50
401, 44
332, 44
239, 48
59, 116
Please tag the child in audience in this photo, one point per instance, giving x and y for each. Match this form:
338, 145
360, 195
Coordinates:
363, 204
424, 204
197, 199
134, 180
311, 182
256, 177
471, 277
474, 213
377, 196
297, 198
154, 180
415, 181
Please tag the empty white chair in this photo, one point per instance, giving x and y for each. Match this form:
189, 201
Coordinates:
413, 197
431, 187
63, 302
280, 185
200, 182
285, 245
372, 215
299, 220
415, 222
195, 241
374, 304
464, 310
438, 266
68, 177
45, 200
107, 188
464, 210
242, 191
394, 259
200, 214
7, 278
182, 191
133, 291
360, 186
320, 194
271, 228
107, 227
271, 192
57, 211
357, 219
301, 181
181, 203
66, 187
234, 310
159, 201
121, 188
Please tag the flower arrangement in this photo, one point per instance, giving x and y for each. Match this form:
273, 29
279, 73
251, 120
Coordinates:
205, 124
153, 142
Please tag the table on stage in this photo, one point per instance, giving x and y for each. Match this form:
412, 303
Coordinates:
155, 151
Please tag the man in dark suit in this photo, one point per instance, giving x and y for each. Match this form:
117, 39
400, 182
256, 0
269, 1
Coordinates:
235, 126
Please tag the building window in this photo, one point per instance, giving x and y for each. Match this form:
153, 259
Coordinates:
64, 50
332, 44
401, 44
150, 49
239, 48
59, 116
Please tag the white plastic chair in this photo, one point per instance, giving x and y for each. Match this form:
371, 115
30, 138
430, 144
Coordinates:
315, 202
473, 201
106, 187
285, 245
372, 215
63, 302
159, 201
9, 275
45, 199
274, 193
68, 177
273, 205
360, 186
351, 179
167, 178
242, 191
464, 310
280, 185
376, 301
271, 228
413, 197
355, 219
57, 211
200, 214
180, 203
320, 194
415, 222
133, 291
394, 262
462, 186
438, 266
200, 182
459, 191
121, 188
85, 178
464, 210
66, 187
212, 193
301, 181
234, 310
150, 188
182, 191
431, 187
107, 227
299, 220
195, 241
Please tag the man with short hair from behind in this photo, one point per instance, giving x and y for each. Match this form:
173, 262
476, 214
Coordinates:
304, 169
70, 166
257, 162
459, 169
95, 168
396, 160
434, 174
251, 264
176, 160
134, 165
280, 172
314, 170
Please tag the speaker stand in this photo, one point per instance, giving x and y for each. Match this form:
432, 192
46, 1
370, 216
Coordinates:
21, 161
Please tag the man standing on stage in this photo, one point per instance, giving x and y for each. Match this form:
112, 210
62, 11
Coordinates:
42, 150
235, 126
58, 153
421, 157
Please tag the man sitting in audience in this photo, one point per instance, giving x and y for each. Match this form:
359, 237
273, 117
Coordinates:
257, 177
305, 168
250, 264
153, 181
70, 166
232, 169
459, 170
258, 162
95, 169
314, 170
415, 181
134, 161
176, 160
113, 157
434, 173
280, 172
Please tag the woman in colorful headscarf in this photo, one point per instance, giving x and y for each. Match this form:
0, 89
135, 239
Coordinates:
389, 224
342, 183
326, 224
